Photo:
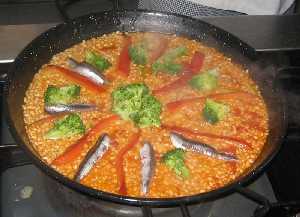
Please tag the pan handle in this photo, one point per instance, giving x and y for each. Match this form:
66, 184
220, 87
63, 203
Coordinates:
11, 155
63, 5
287, 79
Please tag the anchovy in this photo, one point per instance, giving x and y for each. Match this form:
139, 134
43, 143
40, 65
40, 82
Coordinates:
148, 166
180, 142
59, 108
87, 70
93, 155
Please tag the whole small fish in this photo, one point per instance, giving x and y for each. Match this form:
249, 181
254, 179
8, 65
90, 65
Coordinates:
93, 155
87, 70
148, 166
53, 109
180, 142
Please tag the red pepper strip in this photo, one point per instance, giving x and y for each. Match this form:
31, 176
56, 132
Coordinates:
172, 106
120, 159
182, 130
232, 151
77, 78
48, 118
196, 62
188, 72
111, 47
159, 49
123, 66
73, 151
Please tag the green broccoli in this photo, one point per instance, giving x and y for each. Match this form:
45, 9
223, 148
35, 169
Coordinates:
205, 81
174, 159
166, 62
138, 53
134, 102
66, 127
97, 60
149, 114
214, 111
128, 99
61, 95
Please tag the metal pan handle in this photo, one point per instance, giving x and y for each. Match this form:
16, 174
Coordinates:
287, 78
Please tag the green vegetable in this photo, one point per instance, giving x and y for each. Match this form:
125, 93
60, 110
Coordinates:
149, 114
66, 127
61, 95
97, 60
138, 53
134, 102
166, 62
174, 159
214, 111
205, 81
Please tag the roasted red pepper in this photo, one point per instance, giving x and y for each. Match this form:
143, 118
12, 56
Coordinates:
72, 152
77, 78
172, 106
159, 47
47, 119
120, 160
123, 66
186, 131
188, 72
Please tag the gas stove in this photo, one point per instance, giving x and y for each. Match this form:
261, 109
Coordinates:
26, 192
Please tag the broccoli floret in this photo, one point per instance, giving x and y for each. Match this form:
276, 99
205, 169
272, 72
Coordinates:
66, 127
128, 99
97, 60
205, 81
174, 159
214, 111
61, 95
149, 114
134, 102
166, 62
138, 53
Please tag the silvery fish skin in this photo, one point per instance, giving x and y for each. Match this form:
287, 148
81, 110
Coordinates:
59, 108
87, 70
93, 155
148, 166
180, 142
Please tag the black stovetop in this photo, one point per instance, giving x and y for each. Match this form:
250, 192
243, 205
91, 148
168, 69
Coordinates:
283, 174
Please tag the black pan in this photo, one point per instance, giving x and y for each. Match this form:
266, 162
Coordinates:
57, 39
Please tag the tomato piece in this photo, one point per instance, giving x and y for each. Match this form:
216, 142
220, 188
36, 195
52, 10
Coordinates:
182, 130
120, 161
188, 72
77, 78
123, 66
73, 151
